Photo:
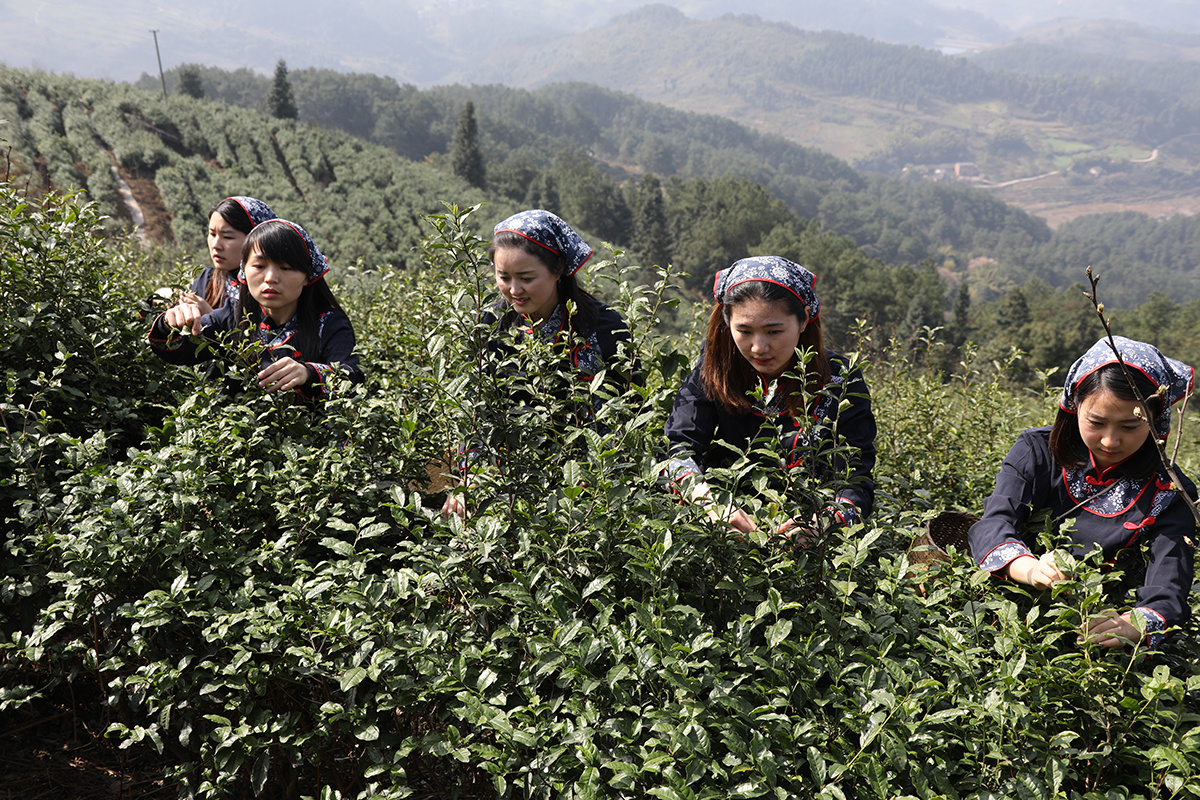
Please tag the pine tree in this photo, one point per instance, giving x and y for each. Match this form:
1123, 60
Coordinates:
280, 102
189, 82
960, 327
465, 158
543, 193
651, 235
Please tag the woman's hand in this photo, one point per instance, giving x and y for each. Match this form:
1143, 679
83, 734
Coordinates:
735, 518
286, 373
184, 315
1040, 573
800, 535
454, 504
1110, 630
197, 301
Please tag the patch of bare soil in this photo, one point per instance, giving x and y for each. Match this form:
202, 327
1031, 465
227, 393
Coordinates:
158, 218
1058, 200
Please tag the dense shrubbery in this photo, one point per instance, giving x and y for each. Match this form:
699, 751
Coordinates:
268, 597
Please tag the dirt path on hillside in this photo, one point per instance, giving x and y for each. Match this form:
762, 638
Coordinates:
144, 203
131, 206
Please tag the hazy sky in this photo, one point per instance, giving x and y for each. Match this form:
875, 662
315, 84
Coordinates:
423, 40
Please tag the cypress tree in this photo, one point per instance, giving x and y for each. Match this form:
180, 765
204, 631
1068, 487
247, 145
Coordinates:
962, 315
651, 235
189, 82
465, 158
543, 193
280, 102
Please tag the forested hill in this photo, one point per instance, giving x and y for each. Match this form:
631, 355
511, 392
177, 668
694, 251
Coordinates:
363, 201
561, 134
745, 63
1177, 78
579, 150
180, 155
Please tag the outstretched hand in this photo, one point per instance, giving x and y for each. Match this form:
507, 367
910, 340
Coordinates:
735, 518
286, 373
184, 315
800, 535
1110, 630
1040, 573
455, 505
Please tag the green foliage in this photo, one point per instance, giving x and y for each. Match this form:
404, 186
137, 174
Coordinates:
268, 597
190, 83
280, 102
465, 158
360, 201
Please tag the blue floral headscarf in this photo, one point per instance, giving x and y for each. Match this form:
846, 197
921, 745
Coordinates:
549, 231
1176, 376
318, 263
258, 211
772, 269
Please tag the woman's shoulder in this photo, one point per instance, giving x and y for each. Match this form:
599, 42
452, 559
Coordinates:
1033, 446
200, 282
841, 366
609, 320
1037, 438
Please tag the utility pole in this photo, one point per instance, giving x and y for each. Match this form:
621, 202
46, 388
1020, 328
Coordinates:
159, 55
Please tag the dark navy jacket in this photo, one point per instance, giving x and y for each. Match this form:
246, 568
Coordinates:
1123, 516
701, 432
334, 353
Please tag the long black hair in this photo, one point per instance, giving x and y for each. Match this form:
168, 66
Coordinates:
587, 307
232, 212
283, 245
1067, 445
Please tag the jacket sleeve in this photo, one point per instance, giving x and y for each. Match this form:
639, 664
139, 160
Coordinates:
690, 427
175, 348
336, 357
1022, 485
611, 329
856, 427
1163, 598
200, 282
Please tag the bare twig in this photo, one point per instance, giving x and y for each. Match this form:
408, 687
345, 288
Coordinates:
1168, 463
1179, 433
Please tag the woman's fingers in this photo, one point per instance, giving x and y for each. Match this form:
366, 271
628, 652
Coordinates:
1110, 630
286, 373
184, 315
454, 505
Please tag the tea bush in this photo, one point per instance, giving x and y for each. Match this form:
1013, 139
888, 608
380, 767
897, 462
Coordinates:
267, 595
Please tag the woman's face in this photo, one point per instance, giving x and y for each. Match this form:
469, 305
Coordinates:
224, 243
525, 282
275, 285
1111, 427
766, 334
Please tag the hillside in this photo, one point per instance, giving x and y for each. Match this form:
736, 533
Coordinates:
971, 232
879, 105
1154, 36
180, 155
207, 591
523, 134
1178, 76
891, 251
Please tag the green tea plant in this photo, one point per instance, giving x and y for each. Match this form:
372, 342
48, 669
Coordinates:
266, 594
